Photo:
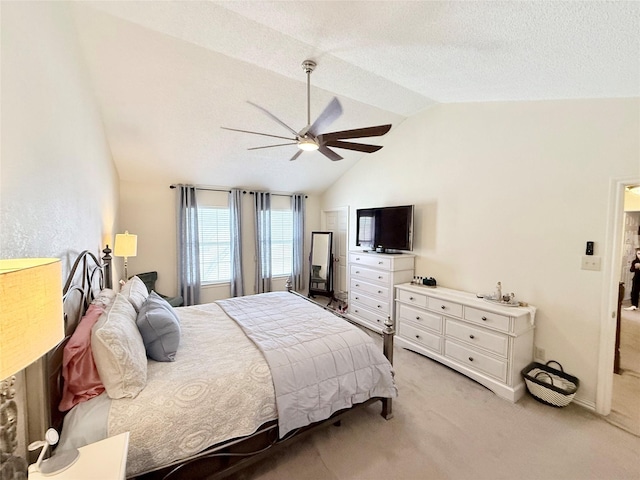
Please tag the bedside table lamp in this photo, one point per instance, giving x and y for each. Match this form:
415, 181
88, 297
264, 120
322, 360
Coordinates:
126, 245
31, 324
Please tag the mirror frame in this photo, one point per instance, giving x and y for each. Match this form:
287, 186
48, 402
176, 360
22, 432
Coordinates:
327, 279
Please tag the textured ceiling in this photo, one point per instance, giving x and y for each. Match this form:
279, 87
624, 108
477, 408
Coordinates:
168, 75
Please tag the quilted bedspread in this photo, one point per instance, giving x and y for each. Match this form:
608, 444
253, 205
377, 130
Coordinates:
319, 363
201, 398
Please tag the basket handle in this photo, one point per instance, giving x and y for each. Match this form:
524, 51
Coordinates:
557, 363
544, 373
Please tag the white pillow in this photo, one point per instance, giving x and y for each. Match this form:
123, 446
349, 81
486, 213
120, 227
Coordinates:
135, 291
118, 350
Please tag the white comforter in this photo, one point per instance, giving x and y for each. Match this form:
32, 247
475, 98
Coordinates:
320, 363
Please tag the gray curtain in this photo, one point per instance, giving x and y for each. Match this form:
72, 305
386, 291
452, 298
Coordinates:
297, 274
235, 207
188, 245
262, 203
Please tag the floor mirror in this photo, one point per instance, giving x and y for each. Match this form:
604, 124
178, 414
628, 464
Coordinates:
321, 265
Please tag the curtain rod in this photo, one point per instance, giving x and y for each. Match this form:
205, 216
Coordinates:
212, 189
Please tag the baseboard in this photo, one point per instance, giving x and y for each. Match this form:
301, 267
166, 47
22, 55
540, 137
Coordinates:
583, 403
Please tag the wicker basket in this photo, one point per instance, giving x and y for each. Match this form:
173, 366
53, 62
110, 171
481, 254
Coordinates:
549, 385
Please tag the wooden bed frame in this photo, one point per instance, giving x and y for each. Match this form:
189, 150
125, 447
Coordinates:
86, 278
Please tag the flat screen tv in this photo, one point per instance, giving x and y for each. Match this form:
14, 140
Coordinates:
385, 228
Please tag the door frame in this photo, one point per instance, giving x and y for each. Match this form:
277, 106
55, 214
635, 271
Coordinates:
611, 280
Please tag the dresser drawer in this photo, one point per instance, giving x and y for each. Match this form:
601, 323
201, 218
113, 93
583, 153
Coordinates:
377, 261
476, 360
374, 317
368, 274
374, 290
494, 342
375, 304
429, 340
445, 307
419, 317
417, 299
487, 319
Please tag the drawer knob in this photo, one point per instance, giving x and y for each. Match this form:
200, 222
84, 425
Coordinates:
379, 263
411, 298
484, 319
357, 284
379, 291
417, 336
356, 310
379, 277
471, 337
357, 258
442, 307
357, 271
471, 359
418, 317
357, 298
379, 306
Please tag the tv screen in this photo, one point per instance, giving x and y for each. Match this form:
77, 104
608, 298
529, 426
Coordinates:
390, 228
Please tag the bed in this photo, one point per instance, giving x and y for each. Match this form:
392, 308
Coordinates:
234, 381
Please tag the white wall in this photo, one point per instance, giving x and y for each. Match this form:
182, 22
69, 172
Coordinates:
58, 184
510, 192
149, 210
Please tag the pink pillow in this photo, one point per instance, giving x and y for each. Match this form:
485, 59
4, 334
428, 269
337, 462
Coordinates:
81, 378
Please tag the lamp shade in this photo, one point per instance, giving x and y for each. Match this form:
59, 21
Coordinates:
31, 315
126, 245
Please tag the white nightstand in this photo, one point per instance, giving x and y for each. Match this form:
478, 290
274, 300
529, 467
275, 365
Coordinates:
103, 460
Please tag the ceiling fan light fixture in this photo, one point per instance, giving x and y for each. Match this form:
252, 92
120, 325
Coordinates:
308, 144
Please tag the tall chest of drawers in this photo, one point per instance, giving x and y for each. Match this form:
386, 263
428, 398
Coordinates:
489, 343
372, 277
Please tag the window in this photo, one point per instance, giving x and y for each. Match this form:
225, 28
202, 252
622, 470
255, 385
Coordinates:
281, 242
214, 224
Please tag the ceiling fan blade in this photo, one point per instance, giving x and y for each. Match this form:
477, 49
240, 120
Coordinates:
376, 131
330, 154
257, 133
271, 146
359, 147
296, 155
273, 117
330, 113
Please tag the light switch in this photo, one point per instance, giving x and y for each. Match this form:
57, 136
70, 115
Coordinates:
591, 262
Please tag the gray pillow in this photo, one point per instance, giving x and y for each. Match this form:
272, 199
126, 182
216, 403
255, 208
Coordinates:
159, 327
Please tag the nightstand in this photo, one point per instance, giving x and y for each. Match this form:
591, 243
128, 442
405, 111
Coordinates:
103, 460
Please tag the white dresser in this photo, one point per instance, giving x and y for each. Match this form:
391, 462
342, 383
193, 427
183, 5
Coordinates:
489, 343
371, 280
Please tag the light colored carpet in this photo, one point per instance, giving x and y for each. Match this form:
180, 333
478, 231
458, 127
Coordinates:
446, 426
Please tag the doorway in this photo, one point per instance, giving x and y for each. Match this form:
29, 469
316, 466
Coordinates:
625, 396
337, 221
615, 391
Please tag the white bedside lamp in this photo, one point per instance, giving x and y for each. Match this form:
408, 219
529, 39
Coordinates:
126, 245
31, 324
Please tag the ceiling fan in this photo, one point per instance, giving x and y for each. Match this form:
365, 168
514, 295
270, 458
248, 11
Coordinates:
311, 137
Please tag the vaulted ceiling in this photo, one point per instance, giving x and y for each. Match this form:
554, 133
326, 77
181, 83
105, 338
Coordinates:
168, 74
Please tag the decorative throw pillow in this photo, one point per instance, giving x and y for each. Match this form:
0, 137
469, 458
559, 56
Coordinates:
118, 350
105, 298
81, 378
160, 328
135, 291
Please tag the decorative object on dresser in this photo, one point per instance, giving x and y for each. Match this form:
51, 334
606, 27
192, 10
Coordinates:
126, 245
489, 343
30, 325
371, 280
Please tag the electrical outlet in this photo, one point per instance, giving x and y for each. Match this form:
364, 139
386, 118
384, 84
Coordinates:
539, 353
591, 262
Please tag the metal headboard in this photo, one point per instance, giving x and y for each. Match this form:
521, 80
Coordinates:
87, 277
